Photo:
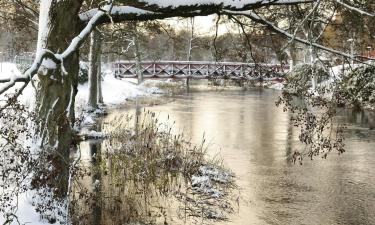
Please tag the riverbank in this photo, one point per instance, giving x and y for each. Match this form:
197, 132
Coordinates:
120, 94
160, 164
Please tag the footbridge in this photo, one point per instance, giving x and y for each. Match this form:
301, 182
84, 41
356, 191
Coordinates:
200, 70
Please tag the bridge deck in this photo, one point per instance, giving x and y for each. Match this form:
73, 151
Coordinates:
199, 70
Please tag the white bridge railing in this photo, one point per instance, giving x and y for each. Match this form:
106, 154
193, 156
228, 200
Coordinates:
199, 70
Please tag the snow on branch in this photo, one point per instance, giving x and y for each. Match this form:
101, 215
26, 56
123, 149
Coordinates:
161, 9
228, 4
362, 12
49, 59
26, 77
116, 11
257, 18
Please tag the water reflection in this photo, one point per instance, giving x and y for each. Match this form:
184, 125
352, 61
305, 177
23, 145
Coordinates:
143, 175
255, 139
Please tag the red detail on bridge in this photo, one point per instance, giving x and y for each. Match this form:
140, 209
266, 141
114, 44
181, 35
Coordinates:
199, 70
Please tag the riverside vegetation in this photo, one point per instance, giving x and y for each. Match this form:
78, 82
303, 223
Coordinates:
143, 173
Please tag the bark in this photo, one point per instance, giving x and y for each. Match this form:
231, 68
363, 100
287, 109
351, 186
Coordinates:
293, 55
137, 55
100, 92
94, 69
138, 61
55, 91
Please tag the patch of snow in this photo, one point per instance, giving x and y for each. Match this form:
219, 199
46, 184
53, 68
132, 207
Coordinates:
203, 182
49, 63
226, 3
91, 134
337, 71
277, 86
116, 91
216, 174
154, 90
88, 120
116, 10
26, 211
8, 69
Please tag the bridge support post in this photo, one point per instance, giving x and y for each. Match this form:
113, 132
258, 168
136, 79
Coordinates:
188, 83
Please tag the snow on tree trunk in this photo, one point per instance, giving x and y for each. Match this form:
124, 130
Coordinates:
55, 90
94, 68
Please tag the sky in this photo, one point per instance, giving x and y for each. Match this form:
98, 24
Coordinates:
203, 25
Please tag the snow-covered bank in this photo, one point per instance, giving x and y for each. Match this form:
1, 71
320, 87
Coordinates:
115, 91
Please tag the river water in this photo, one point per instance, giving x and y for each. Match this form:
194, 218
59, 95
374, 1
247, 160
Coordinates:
255, 140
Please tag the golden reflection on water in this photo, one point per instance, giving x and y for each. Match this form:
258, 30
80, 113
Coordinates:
254, 138
131, 182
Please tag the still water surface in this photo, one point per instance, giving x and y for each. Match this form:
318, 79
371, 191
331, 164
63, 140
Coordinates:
255, 140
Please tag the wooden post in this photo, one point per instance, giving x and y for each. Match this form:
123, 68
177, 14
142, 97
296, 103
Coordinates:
187, 79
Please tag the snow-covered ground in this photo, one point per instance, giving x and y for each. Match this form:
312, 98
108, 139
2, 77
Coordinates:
115, 92
8, 69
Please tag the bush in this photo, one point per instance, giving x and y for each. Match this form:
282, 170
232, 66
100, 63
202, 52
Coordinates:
83, 74
358, 87
301, 76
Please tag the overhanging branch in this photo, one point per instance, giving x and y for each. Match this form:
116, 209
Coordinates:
360, 11
257, 18
150, 10
58, 59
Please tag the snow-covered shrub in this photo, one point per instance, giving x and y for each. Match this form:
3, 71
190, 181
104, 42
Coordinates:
25, 168
358, 88
301, 76
83, 74
313, 111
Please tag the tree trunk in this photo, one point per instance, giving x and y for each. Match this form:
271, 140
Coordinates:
100, 93
137, 55
94, 68
293, 55
55, 91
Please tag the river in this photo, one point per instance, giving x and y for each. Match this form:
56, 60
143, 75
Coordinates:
255, 140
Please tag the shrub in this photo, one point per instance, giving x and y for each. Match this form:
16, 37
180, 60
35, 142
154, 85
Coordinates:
358, 87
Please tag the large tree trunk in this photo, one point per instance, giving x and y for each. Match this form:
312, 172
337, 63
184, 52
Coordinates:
55, 91
94, 69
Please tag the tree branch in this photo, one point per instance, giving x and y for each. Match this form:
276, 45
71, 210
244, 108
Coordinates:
362, 12
149, 10
56, 58
255, 17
